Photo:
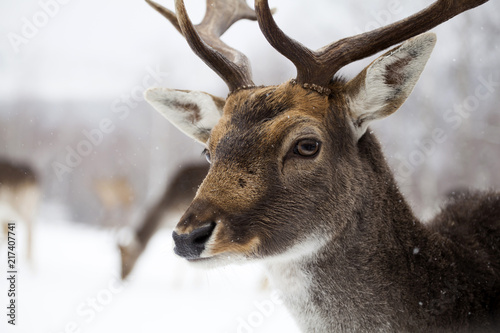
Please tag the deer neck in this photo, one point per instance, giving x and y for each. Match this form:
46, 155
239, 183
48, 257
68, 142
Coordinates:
341, 282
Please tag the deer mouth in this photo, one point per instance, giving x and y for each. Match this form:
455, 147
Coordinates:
210, 260
214, 261
200, 259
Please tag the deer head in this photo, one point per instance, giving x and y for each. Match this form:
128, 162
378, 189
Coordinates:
291, 164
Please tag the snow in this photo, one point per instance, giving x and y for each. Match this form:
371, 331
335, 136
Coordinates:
73, 286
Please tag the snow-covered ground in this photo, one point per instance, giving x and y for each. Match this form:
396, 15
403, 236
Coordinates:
73, 286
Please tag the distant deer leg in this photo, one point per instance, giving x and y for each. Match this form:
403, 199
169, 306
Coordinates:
29, 240
5, 229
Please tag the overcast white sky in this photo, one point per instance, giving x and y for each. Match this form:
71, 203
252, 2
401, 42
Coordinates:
98, 49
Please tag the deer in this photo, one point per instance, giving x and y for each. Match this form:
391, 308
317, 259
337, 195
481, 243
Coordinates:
299, 183
19, 199
116, 196
176, 198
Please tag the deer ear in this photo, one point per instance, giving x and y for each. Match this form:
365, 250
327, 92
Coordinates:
382, 87
193, 112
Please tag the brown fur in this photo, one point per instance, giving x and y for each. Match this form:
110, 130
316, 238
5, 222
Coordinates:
224, 245
192, 109
12, 174
395, 72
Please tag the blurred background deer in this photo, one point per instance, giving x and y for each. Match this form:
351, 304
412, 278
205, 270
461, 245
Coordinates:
19, 199
116, 196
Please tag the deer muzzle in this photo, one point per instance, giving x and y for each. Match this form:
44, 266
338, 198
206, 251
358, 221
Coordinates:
191, 245
195, 229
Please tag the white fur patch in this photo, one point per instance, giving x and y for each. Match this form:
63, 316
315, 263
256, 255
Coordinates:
287, 273
404, 64
301, 251
195, 113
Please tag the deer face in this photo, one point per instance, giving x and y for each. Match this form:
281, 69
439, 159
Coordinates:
284, 159
287, 161
268, 154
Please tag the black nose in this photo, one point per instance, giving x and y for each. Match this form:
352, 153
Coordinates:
191, 245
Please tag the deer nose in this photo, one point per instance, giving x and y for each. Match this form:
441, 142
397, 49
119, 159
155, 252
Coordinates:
190, 246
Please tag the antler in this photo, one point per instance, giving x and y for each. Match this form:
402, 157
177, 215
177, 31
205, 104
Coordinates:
204, 39
318, 67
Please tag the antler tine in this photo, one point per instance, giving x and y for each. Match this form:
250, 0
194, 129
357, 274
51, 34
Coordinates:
204, 39
347, 50
168, 14
297, 53
220, 15
318, 67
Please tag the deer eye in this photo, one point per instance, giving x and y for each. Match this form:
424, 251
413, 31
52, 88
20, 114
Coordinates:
306, 148
207, 155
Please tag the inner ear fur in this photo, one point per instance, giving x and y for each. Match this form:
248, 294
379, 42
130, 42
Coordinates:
384, 85
193, 112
